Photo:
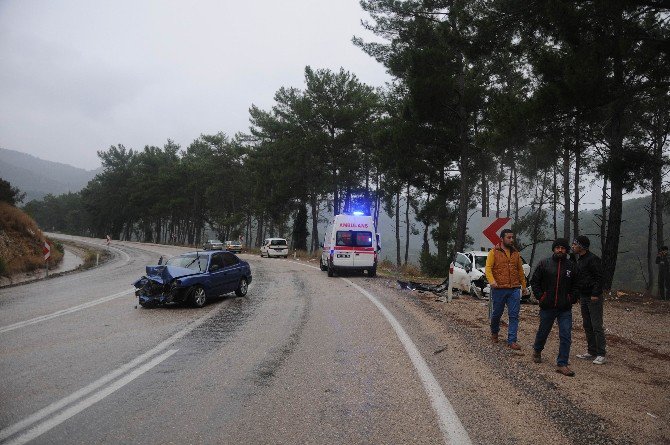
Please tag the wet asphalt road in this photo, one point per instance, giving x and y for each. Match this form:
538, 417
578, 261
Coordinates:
301, 359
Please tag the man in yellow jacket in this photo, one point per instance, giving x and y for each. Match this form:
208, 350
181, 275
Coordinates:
504, 271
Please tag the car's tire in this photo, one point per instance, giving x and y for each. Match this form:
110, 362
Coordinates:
372, 272
242, 288
330, 269
148, 305
285, 256
322, 266
197, 296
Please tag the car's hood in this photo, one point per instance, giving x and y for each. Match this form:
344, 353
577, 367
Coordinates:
163, 274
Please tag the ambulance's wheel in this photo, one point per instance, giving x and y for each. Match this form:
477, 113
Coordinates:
372, 272
331, 269
322, 266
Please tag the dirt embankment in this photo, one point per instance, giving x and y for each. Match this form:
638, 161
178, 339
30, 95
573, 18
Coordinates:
21, 243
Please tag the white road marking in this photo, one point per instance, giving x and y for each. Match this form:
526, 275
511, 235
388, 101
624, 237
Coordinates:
70, 310
48, 410
452, 429
56, 420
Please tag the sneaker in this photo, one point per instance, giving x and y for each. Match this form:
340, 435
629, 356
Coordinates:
537, 356
494, 338
514, 346
586, 356
600, 360
565, 371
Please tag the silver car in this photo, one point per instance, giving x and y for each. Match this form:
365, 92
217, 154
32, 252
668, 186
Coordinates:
213, 244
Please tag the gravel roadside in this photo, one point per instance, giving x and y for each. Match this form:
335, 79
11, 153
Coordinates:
624, 401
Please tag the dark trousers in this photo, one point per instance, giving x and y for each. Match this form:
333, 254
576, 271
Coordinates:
564, 320
663, 284
592, 319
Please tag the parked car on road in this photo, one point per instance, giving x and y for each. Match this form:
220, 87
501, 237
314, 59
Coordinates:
213, 244
194, 278
233, 246
274, 247
467, 273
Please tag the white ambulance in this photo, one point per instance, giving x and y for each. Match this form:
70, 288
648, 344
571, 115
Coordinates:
351, 243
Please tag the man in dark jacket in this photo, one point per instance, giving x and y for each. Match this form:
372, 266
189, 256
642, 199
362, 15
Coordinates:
589, 286
553, 285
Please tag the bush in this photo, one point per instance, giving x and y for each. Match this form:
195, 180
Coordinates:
434, 266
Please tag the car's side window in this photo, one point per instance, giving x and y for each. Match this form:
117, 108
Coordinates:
462, 261
216, 262
229, 259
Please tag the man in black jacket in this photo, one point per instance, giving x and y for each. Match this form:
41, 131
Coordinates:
553, 285
590, 289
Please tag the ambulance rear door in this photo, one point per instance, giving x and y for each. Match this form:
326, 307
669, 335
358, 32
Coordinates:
364, 249
343, 249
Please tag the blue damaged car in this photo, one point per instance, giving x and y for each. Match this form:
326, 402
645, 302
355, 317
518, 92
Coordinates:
194, 278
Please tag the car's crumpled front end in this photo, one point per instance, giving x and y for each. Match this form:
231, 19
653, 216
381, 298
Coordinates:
161, 285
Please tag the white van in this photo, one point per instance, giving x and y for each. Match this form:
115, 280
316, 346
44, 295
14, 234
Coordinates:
274, 247
351, 243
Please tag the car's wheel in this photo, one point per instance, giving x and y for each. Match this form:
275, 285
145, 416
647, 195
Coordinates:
148, 304
322, 266
331, 269
242, 288
372, 272
198, 298
285, 256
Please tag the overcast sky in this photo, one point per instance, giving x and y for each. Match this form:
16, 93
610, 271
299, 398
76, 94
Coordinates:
77, 76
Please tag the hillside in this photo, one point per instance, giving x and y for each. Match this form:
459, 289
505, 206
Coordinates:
37, 177
21, 243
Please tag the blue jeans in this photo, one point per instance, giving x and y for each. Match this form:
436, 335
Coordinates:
511, 298
564, 320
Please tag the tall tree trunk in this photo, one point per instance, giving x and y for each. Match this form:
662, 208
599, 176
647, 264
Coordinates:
499, 192
650, 244
336, 198
566, 193
509, 192
315, 223
425, 246
259, 231
516, 195
537, 220
407, 225
657, 183
578, 165
463, 206
397, 227
554, 202
300, 232
603, 207
485, 195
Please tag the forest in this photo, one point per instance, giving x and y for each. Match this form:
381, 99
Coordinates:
501, 107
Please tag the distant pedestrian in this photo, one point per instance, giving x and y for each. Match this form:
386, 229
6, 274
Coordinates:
504, 272
589, 286
553, 285
663, 262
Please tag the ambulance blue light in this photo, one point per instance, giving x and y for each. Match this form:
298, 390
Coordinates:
358, 213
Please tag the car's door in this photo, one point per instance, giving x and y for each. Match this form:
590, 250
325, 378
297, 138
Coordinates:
217, 274
233, 271
461, 278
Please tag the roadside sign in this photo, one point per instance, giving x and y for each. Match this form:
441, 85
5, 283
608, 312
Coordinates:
46, 250
492, 227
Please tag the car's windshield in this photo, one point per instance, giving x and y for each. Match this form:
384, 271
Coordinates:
214, 241
480, 262
191, 261
278, 242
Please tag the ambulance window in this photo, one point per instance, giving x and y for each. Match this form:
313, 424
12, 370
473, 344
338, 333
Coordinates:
363, 239
343, 239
